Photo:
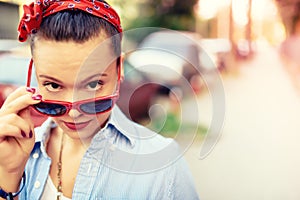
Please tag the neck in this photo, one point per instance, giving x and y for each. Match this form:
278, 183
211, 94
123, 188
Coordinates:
74, 144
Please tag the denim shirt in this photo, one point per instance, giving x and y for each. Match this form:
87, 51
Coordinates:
124, 161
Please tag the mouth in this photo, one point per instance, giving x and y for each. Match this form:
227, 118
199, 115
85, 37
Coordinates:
76, 126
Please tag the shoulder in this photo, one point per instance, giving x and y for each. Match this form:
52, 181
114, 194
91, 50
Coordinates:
145, 151
142, 140
136, 133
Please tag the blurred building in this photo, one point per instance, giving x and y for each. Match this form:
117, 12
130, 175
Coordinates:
8, 25
243, 22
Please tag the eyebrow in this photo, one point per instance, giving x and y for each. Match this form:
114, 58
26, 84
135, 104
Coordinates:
51, 78
93, 76
84, 81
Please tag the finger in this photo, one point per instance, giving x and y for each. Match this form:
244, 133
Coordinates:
25, 115
13, 144
26, 144
17, 93
9, 130
20, 103
17, 121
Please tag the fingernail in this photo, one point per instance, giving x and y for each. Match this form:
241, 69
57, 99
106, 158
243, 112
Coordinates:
23, 134
37, 97
30, 134
32, 90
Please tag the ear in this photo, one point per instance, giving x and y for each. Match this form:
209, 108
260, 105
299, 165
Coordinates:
122, 66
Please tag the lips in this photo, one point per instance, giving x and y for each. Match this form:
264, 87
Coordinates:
77, 126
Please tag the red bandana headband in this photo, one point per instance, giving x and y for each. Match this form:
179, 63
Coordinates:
36, 11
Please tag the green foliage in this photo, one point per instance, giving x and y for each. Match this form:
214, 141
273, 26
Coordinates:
171, 14
172, 126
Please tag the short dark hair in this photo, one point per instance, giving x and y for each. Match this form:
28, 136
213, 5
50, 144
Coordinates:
77, 26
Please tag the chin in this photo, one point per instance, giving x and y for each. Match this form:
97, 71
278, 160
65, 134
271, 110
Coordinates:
82, 131
84, 128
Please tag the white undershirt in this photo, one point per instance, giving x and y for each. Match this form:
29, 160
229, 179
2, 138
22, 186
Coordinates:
50, 191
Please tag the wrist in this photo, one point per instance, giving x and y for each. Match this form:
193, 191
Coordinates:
14, 180
11, 195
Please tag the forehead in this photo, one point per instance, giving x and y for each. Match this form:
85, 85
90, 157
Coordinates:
72, 56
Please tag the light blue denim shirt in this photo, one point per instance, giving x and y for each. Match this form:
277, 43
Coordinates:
124, 161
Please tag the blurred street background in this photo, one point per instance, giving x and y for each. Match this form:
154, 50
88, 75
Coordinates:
254, 48
257, 156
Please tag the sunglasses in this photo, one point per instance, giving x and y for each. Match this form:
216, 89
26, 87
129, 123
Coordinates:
91, 106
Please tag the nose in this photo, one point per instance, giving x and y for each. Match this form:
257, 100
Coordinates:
74, 113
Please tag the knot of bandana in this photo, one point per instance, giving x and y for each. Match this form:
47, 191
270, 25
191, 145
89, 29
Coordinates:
36, 11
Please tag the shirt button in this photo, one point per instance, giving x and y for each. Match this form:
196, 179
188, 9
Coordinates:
35, 155
37, 184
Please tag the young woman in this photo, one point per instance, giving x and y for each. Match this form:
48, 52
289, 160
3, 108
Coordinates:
87, 149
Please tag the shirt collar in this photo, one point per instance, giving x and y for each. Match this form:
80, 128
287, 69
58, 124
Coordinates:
125, 126
43, 132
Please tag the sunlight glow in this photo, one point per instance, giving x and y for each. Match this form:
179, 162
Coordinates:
263, 9
239, 11
208, 9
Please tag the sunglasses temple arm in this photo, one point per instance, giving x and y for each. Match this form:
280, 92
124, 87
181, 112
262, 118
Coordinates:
29, 73
119, 67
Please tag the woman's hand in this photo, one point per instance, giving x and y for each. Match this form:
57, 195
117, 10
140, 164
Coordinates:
16, 136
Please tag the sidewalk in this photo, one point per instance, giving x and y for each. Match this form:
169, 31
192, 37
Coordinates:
258, 154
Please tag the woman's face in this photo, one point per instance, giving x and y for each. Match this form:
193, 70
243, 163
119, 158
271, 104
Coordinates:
70, 71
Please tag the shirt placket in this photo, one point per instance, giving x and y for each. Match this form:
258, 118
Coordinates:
90, 168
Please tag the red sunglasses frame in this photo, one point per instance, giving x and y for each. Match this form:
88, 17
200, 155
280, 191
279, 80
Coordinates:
76, 105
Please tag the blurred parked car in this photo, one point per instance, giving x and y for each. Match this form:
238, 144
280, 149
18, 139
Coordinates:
166, 56
178, 58
169, 58
138, 93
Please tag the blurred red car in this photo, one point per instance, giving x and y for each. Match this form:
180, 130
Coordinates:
138, 92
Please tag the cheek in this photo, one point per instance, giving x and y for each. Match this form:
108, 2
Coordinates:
42, 90
102, 119
60, 96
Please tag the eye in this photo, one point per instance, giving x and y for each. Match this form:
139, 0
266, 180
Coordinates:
52, 87
95, 85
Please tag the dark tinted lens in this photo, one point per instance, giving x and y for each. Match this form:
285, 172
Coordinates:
50, 108
97, 106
